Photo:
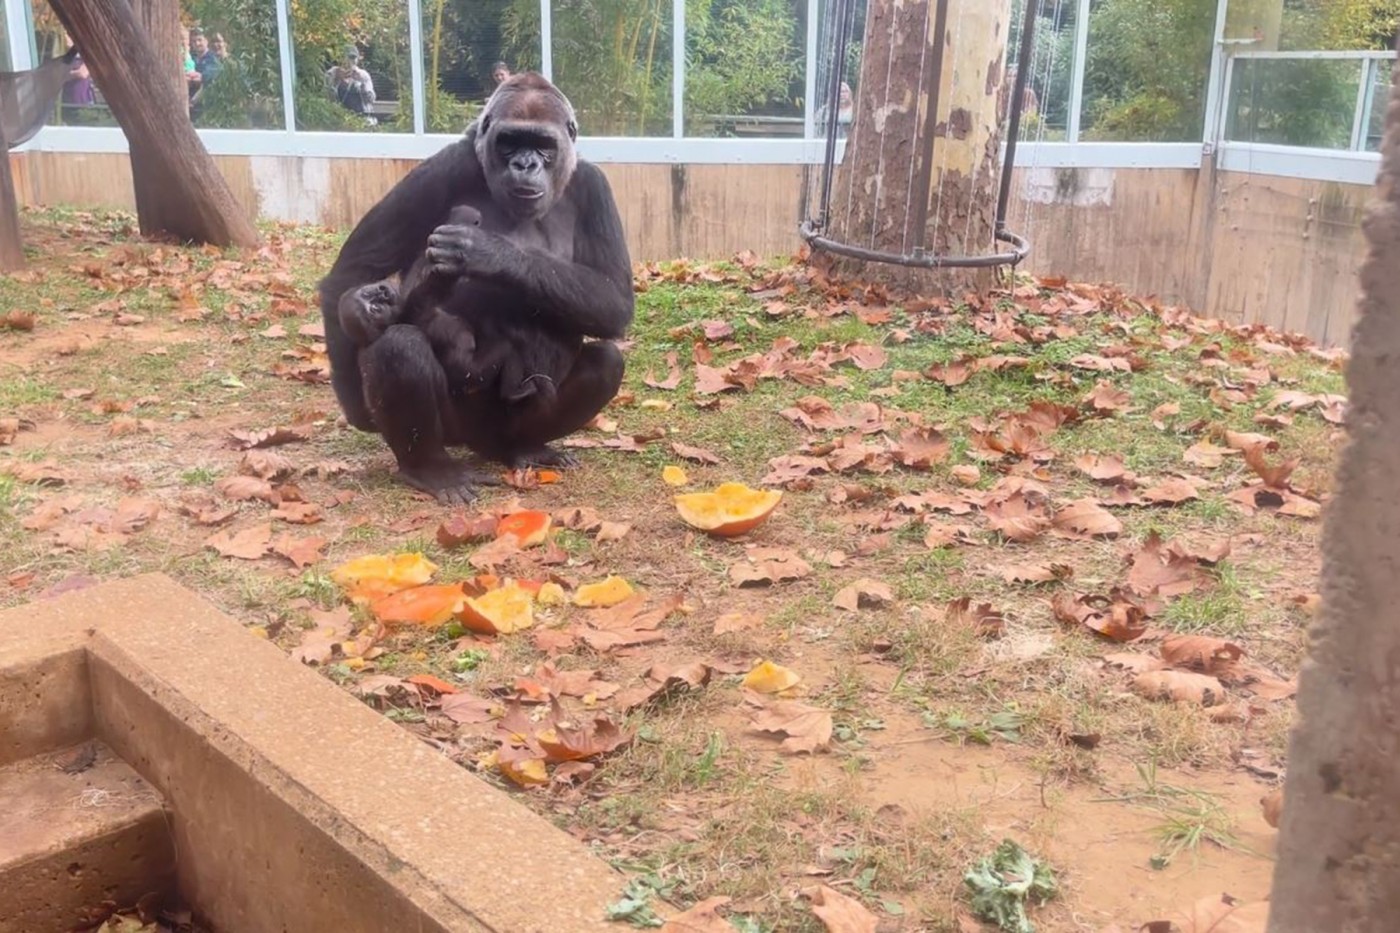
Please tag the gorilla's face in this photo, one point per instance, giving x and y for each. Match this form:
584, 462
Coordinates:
525, 143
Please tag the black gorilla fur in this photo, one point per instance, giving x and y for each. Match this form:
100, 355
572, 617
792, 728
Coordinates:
484, 346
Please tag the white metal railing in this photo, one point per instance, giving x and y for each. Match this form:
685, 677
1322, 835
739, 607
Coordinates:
1352, 163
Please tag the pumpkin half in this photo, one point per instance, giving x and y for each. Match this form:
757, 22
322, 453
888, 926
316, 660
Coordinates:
732, 509
429, 606
508, 608
529, 528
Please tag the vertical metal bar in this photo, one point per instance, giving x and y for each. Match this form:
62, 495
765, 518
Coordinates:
284, 50
933, 80
1081, 62
547, 39
809, 89
1214, 129
19, 29
678, 68
415, 65
1363, 96
833, 95
1018, 97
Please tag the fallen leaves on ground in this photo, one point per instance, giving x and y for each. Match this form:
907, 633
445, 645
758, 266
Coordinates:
635, 621
806, 729
842, 914
864, 594
702, 918
1115, 616
249, 543
1215, 914
764, 565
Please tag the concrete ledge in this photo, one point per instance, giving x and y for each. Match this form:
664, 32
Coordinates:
293, 805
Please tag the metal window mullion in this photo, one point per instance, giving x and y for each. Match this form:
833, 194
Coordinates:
19, 35
809, 84
678, 68
546, 39
415, 65
1213, 130
1317, 55
1077, 70
1358, 120
284, 52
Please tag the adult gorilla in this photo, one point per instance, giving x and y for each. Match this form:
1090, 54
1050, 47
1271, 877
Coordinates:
547, 260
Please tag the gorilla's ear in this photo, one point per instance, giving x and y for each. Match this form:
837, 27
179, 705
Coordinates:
485, 122
572, 129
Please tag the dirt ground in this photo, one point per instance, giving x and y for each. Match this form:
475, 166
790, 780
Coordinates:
1081, 527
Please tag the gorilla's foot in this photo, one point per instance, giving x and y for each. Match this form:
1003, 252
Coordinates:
452, 482
543, 456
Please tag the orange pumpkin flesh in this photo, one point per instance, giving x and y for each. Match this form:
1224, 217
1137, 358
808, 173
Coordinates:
529, 528
508, 608
731, 510
429, 606
372, 577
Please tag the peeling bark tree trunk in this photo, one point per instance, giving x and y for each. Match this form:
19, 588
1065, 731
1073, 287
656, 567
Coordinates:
1339, 842
184, 194
11, 246
876, 199
161, 21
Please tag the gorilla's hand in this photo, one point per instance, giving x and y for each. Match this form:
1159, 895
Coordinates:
466, 251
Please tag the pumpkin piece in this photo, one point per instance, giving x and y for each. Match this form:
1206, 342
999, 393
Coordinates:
674, 476
603, 594
767, 677
529, 528
501, 611
550, 594
549, 477
428, 606
731, 510
375, 576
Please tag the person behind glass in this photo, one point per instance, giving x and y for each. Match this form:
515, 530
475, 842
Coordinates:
192, 76
77, 90
219, 46
207, 66
352, 85
500, 72
845, 112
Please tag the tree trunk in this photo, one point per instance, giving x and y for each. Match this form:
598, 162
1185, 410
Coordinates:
161, 21
11, 246
907, 183
185, 195
1339, 843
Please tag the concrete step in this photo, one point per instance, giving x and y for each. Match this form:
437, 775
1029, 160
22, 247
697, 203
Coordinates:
78, 827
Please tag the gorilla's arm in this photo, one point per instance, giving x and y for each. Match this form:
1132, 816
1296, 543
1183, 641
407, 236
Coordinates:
589, 294
386, 241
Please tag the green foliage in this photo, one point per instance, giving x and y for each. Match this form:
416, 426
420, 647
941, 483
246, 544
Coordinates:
247, 93
1147, 69
739, 56
1293, 102
1002, 882
1339, 25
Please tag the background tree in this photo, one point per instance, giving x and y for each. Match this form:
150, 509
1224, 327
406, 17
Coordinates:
191, 200
954, 185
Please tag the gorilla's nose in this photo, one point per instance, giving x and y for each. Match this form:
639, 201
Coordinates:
525, 164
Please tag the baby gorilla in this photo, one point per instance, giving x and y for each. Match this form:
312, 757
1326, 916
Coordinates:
476, 346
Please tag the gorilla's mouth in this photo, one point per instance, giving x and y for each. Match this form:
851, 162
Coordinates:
527, 194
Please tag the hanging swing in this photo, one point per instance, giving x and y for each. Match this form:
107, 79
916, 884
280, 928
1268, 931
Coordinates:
27, 98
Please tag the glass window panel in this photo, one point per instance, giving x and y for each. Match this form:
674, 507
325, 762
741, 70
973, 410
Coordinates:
1293, 102
827, 56
612, 59
1146, 70
1376, 101
462, 45
744, 74
352, 65
5, 63
1045, 108
1312, 25
81, 102
233, 44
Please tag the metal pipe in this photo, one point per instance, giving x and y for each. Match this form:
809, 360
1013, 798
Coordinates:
1018, 95
933, 79
1020, 248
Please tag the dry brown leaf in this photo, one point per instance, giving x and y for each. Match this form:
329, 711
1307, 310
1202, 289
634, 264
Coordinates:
1215, 914
966, 475
243, 488
1114, 616
920, 448
1171, 492
1181, 686
302, 552
864, 594
1036, 573
945, 534
673, 378
612, 531
694, 454
1159, 572
1275, 476
248, 543
1101, 468
1106, 398
807, 728
298, 513
264, 464
1201, 548
327, 639
1016, 519
768, 565
982, 619
1133, 662
1272, 805
842, 914
1202, 653
1086, 517
272, 437
461, 529
702, 918
1243, 440
465, 709
732, 622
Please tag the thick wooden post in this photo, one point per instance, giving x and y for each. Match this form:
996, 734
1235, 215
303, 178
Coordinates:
184, 194
11, 246
1339, 843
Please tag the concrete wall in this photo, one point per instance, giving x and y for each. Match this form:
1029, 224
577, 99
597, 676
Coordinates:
1280, 251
